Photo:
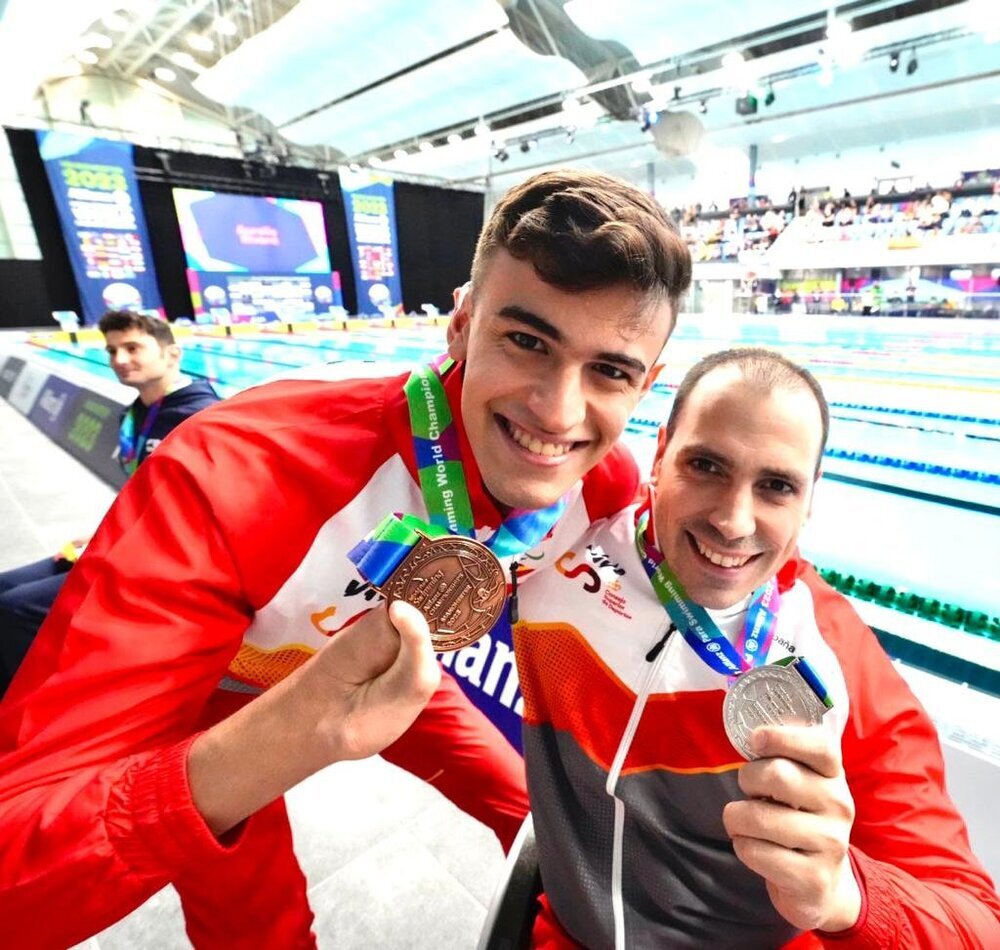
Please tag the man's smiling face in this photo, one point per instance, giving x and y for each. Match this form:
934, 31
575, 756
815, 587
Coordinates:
551, 376
734, 484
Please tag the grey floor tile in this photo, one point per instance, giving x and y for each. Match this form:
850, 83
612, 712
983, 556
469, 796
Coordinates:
396, 896
466, 848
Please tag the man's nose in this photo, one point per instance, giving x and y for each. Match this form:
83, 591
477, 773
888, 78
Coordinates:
733, 516
559, 401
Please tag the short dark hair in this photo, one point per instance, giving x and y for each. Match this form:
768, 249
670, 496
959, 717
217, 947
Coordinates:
585, 231
119, 320
764, 368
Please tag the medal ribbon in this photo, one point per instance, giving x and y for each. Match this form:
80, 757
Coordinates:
382, 550
445, 490
442, 475
130, 445
698, 628
704, 636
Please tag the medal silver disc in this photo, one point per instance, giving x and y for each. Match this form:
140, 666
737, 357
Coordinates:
768, 696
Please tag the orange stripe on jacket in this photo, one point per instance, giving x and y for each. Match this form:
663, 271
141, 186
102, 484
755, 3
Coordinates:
565, 684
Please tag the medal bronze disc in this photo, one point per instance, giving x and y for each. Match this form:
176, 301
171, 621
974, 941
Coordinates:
456, 583
768, 696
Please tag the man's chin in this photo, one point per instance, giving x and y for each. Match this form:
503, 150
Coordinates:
525, 495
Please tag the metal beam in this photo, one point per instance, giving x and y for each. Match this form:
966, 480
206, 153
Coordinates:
186, 15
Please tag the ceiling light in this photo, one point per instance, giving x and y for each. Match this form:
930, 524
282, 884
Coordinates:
69, 67
837, 29
400, 153
115, 21
454, 139
224, 26
201, 43
96, 41
164, 74
734, 59
481, 130
185, 61
354, 167
893, 61
426, 146
87, 56
735, 70
911, 66
375, 161
582, 114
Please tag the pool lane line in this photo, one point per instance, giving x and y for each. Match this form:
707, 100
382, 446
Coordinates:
962, 503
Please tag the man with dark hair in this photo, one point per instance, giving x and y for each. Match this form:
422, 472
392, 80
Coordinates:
700, 640
210, 654
144, 355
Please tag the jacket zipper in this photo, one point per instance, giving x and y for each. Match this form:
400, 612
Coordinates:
654, 658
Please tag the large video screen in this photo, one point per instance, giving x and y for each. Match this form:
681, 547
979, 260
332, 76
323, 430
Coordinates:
255, 259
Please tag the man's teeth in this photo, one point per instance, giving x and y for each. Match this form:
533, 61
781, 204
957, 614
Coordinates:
722, 560
529, 442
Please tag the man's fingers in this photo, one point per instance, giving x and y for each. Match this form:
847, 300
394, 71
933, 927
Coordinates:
795, 830
810, 745
787, 782
779, 866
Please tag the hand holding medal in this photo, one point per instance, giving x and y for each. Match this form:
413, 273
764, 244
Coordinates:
456, 583
794, 828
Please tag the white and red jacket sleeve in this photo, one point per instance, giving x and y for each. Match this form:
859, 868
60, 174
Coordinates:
921, 884
95, 809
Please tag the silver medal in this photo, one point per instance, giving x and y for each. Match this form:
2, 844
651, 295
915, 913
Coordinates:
768, 696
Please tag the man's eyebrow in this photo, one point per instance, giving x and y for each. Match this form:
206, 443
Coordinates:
713, 455
792, 478
542, 326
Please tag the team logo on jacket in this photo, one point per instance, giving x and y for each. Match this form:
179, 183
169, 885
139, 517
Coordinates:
598, 574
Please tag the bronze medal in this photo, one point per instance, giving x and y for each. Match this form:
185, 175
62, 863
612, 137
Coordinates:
768, 695
456, 583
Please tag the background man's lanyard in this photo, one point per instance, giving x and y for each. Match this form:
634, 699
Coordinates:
130, 445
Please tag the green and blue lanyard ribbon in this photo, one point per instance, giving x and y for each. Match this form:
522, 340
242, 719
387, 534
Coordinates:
131, 443
445, 490
703, 635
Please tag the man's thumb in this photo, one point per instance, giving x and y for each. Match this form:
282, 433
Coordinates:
416, 667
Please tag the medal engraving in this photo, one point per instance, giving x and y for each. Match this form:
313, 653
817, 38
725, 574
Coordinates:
768, 696
456, 583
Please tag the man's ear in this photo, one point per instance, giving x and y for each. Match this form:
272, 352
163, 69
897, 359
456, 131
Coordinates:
651, 377
812, 497
460, 323
661, 447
